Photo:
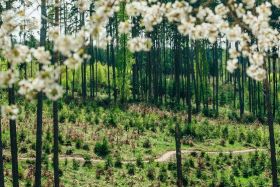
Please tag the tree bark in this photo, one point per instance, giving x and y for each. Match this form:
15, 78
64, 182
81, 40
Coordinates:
178, 156
55, 116
270, 120
1, 156
13, 129
38, 167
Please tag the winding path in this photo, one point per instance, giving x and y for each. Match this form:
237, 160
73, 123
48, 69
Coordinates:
170, 154
163, 158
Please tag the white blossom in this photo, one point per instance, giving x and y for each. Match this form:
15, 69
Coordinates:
125, 27
83, 5
54, 92
42, 55
10, 111
8, 78
232, 65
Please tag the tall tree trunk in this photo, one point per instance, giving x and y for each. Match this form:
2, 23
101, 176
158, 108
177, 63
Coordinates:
108, 71
55, 115
13, 129
38, 166
270, 120
1, 155
13, 139
39, 140
113, 61
56, 144
189, 94
178, 156
177, 67
1, 143
84, 64
217, 79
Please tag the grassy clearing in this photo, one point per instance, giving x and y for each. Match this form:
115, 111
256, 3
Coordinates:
141, 135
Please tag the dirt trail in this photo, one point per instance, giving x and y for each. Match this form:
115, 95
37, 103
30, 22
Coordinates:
171, 154
163, 158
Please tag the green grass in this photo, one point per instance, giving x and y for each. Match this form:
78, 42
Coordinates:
127, 131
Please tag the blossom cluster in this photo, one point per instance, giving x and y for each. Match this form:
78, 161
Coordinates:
250, 36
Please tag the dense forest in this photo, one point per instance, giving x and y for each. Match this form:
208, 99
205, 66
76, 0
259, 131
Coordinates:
139, 93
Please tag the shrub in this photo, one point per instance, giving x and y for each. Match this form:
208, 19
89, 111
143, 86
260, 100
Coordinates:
139, 161
48, 135
102, 149
171, 166
60, 139
163, 174
63, 114
99, 171
78, 144
23, 150
225, 132
96, 120
231, 141
248, 118
108, 162
72, 117
88, 118
224, 180
235, 171
75, 165
47, 148
130, 169
189, 130
22, 136
68, 143
147, 144
86, 147
246, 171
60, 172
223, 142
194, 154
69, 152
209, 113
66, 162
151, 173
111, 120
118, 162
87, 162
233, 116
223, 98
28, 183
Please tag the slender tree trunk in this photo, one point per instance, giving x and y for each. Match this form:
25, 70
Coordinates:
108, 70
270, 120
13, 130
55, 115
217, 79
113, 64
39, 140
43, 33
56, 144
84, 64
65, 32
178, 156
1, 155
189, 84
177, 67
1, 143
96, 70
73, 84
13, 139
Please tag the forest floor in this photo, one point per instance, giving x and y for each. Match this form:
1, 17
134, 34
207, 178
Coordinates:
141, 148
